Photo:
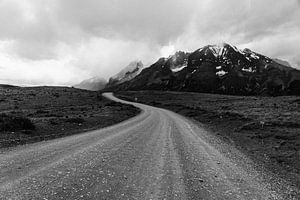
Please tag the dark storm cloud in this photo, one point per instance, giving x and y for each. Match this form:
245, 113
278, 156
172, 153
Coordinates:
80, 38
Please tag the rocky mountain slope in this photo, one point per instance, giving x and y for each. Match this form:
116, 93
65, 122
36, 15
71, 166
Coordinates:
126, 74
93, 84
222, 69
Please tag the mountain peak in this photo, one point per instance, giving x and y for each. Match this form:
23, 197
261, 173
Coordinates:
127, 73
134, 65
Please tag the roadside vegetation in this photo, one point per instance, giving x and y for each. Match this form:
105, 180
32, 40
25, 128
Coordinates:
40, 113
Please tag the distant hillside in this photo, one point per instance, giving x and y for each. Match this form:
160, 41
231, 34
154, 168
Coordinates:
93, 84
7, 86
222, 69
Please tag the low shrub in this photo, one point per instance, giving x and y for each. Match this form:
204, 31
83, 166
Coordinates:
112, 104
42, 111
15, 123
56, 95
54, 121
76, 120
99, 97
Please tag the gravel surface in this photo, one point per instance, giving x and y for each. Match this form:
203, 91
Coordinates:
155, 155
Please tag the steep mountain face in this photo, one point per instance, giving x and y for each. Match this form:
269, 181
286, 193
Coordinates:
218, 69
159, 76
93, 84
128, 73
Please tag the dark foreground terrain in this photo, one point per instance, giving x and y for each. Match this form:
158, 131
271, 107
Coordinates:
40, 113
265, 128
155, 155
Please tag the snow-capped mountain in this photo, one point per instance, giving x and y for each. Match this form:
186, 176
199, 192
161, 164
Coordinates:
126, 74
93, 84
218, 69
227, 55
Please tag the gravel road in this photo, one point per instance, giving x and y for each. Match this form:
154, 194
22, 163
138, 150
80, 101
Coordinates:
155, 155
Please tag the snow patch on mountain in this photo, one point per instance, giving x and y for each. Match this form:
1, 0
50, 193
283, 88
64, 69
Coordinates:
254, 56
236, 49
216, 50
221, 73
248, 69
219, 51
179, 68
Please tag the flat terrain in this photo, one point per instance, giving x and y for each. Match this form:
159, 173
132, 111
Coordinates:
40, 113
155, 155
267, 129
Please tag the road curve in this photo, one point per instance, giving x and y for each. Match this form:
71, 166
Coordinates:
155, 155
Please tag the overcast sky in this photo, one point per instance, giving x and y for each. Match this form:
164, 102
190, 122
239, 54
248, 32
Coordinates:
61, 42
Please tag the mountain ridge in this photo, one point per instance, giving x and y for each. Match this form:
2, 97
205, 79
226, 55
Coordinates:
222, 69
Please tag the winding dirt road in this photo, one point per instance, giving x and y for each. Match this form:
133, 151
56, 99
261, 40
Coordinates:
155, 155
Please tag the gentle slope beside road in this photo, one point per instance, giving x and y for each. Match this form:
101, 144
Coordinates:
155, 155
